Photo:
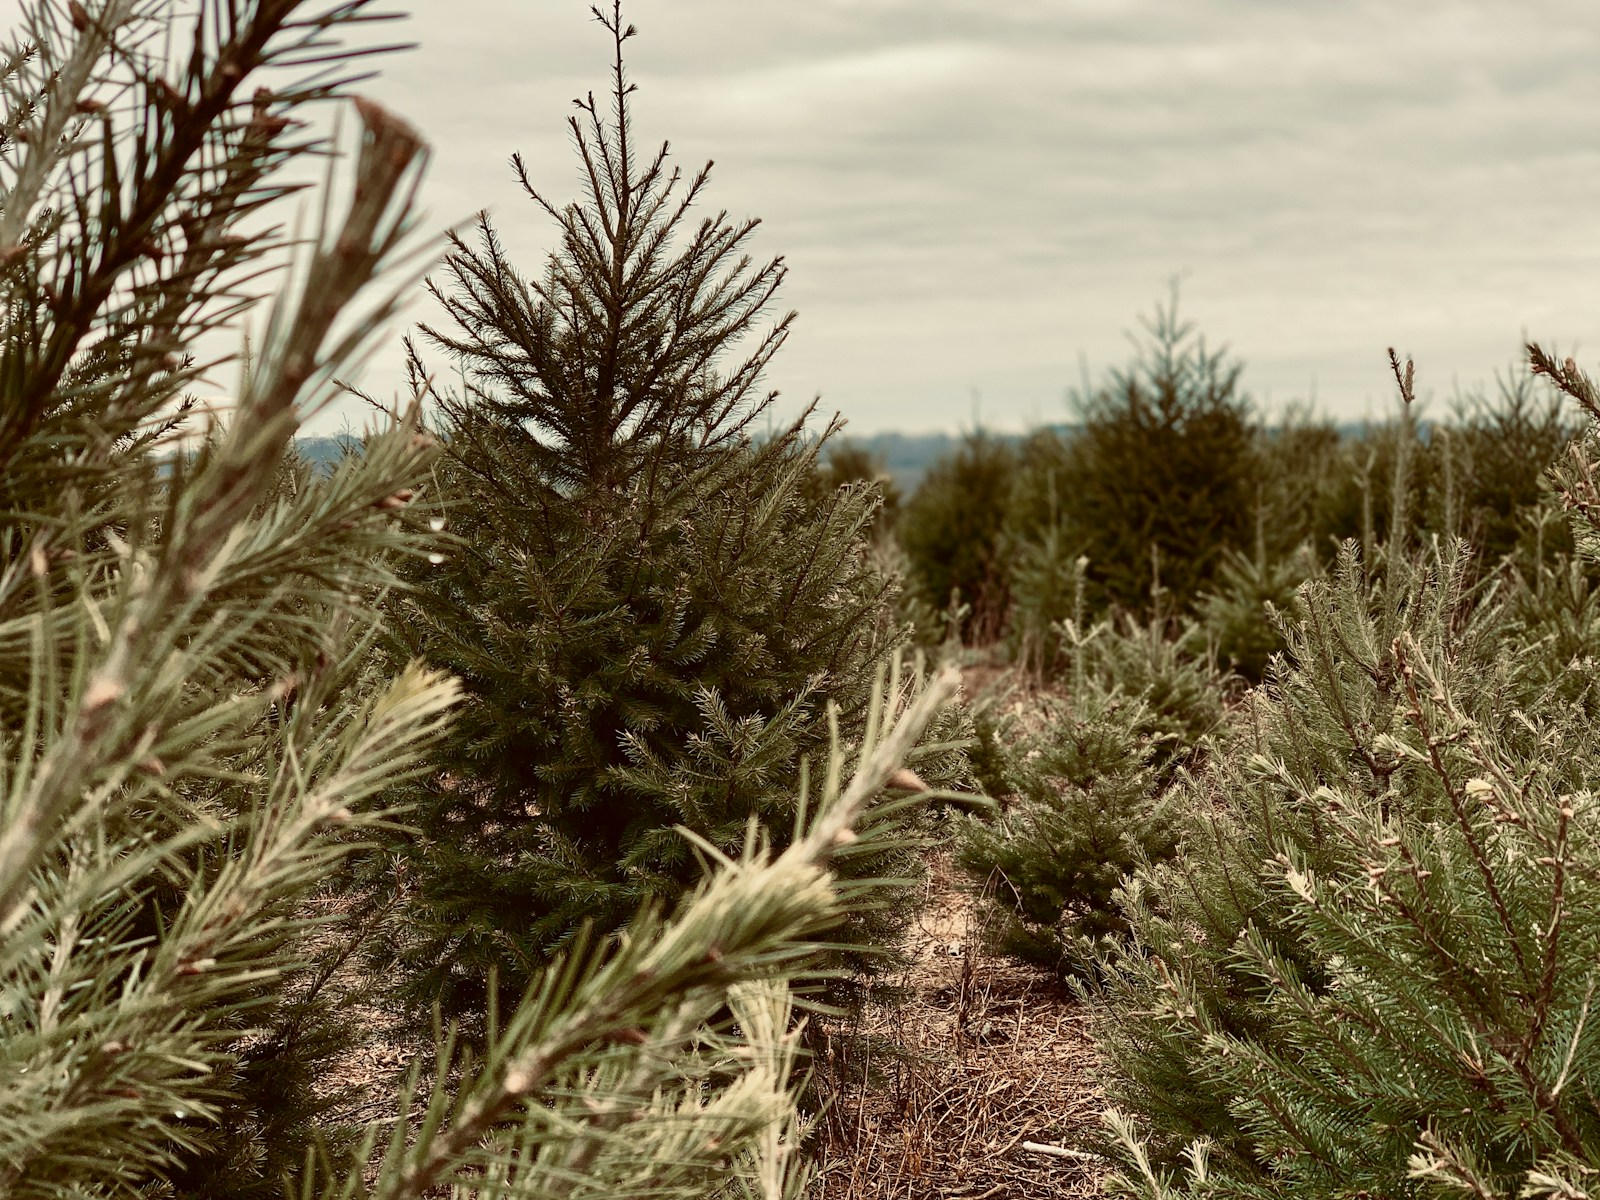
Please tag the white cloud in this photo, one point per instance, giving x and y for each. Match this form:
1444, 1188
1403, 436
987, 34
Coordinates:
972, 193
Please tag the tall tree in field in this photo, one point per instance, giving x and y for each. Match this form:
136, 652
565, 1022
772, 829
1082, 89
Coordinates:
650, 609
193, 728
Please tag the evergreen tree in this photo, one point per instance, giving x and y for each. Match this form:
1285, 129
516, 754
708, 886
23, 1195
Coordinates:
1044, 566
952, 533
1490, 475
1302, 464
1370, 971
192, 734
1162, 475
184, 700
1041, 477
1080, 808
1083, 775
650, 611
845, 463
1165, 664
1241, 614
1046, 589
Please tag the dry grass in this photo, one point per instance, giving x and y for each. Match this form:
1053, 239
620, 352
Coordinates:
979, 1056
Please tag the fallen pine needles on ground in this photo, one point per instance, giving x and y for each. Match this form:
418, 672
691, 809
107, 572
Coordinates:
978, 1081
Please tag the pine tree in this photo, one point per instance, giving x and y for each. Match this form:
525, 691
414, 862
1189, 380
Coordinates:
1161, 480
184, 695
193, 734
650, 610
952, 533
1371, 968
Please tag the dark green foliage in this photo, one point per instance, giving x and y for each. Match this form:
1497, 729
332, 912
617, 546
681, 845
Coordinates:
1380, 499
1082, 807
1166, 665
280, 1098
1162, 474
1083, 780
951, 531
650, 612
845, 462
1047, 570
1555, 621
1303, 466
990, 755
1489, 468
1241, 614
1370, 969
1043, 475
1477, 475
670, 668
1047, 586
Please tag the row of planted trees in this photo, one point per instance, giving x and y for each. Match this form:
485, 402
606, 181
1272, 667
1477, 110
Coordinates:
1343, 941
1184, 505
1336, 930
559, 738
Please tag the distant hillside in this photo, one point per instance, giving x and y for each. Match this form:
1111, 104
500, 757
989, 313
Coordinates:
906, 456
325, 452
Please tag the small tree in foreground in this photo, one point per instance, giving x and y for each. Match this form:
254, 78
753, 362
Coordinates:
1371, 970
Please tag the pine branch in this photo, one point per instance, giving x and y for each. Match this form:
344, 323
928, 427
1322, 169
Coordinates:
749, 919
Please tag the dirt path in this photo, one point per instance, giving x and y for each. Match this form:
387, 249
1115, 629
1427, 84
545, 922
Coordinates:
978, 1057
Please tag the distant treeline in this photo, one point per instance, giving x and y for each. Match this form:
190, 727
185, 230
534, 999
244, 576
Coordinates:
1169, 499
906, 457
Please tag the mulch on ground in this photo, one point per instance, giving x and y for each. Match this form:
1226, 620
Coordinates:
978, 1081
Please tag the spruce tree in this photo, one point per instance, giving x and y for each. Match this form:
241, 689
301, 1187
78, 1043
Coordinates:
1371, 969
650, 609
193, 731
846, 463
952, 533
1161, 480
1489, 478
1081, 807
1083, 775
1241, 614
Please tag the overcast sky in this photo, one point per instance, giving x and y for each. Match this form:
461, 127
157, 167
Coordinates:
972, 195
